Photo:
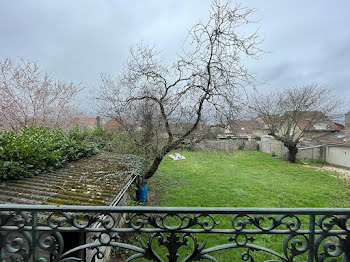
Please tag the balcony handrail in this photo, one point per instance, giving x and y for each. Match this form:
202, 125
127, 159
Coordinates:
182, 210
312, 234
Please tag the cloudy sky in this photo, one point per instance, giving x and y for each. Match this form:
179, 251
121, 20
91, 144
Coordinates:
305, 41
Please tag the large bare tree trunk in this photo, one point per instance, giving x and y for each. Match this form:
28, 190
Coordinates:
148, 134
152, 170
293, 150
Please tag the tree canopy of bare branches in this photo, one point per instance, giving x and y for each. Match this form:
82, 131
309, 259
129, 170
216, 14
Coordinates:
206, 81
289, 113
31, 97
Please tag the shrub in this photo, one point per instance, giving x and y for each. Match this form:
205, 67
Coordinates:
123, 143
32, 150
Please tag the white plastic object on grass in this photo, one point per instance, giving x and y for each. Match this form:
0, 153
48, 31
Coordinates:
173, 157
179, 156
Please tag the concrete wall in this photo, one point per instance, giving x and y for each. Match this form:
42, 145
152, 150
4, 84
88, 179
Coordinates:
276, 148
226, 144
273, 147
332, 154
266, 145
311, 153
338, 155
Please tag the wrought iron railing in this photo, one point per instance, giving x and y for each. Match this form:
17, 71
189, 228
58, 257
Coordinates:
41, 233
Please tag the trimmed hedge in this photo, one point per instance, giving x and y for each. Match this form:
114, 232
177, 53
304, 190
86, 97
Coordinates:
33, 150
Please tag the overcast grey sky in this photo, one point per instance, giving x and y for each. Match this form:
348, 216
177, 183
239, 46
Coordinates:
307, 41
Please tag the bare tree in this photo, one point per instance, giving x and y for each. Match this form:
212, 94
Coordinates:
205, 82
289, 113
29, 96
138, 122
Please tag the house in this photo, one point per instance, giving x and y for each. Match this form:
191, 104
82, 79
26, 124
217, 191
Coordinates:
89, 123
342, 127
321, 130
250, 129
220, 131
113, 124
240, 129
310, 126
178, 129
317, 127
347, 127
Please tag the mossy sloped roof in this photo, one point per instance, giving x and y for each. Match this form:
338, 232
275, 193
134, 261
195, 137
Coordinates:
90, 181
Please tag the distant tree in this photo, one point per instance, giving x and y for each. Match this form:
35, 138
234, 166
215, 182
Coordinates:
31, 97
202, 84
289, 113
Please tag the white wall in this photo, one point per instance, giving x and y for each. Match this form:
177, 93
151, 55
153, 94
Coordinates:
338, 155
275, 147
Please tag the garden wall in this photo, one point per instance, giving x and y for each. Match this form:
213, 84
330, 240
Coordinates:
276, 148
227, 144
312, 153
338, 155
273, 147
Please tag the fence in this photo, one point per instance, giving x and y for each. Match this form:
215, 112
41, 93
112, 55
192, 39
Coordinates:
275, 147
226, 144
335, 154
312, 234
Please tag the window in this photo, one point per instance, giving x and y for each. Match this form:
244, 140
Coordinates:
321, 126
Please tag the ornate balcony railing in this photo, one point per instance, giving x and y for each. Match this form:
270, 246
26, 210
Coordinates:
45, 233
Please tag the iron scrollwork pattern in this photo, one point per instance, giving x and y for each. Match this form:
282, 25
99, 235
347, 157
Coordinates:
41, 233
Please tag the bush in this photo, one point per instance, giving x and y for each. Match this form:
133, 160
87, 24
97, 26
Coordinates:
123, 143
32, 150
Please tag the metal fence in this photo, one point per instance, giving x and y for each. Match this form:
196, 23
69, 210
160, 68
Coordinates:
42, 233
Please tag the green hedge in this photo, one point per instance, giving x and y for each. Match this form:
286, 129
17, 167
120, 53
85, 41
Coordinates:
32, 150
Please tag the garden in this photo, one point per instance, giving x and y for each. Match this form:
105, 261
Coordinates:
201, 179
243, 179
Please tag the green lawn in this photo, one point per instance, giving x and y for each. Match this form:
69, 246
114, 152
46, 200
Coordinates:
243, 179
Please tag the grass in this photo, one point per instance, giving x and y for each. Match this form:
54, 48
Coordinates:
311, 162
243, 179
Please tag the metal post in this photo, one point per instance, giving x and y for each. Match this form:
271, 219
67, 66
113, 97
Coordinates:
2, 255
311, 238
172, 245
35, 240
347, 248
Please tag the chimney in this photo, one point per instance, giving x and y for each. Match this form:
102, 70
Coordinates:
99, 122
347, 127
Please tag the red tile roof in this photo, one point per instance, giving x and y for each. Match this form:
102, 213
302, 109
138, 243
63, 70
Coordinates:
86, 122
112, 124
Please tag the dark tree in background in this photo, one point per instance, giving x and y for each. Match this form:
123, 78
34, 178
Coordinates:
205, 83
291, 112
